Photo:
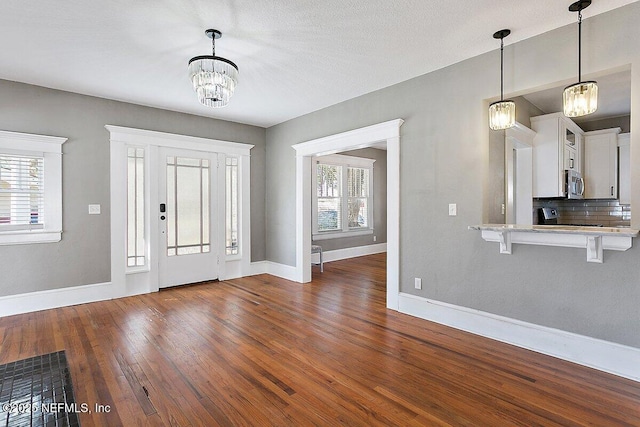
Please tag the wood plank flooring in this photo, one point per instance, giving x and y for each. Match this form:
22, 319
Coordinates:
263, 351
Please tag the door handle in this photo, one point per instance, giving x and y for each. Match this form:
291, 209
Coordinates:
612, 190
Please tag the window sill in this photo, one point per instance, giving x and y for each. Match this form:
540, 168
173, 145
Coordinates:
340, 234
22, 237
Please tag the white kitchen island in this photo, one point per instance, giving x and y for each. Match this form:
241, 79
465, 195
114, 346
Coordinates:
594, 239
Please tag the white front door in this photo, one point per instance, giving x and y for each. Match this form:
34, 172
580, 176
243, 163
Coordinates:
187, 212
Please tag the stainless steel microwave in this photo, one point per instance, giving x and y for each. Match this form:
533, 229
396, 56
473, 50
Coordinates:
573, 184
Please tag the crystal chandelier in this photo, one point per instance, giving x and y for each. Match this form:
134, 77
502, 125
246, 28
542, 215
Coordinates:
502, 114
580, 98
214, 78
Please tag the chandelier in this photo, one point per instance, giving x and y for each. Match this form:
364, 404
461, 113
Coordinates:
502, 114
580, 98
214, 78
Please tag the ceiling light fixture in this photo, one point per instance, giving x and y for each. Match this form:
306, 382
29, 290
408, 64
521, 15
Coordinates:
580, 98
214, 78
502, 114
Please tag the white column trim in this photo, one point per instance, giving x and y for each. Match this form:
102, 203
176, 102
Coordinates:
386, 132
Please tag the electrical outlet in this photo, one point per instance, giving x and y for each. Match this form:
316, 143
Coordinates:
418, 283
453, 209
94, 209
375, 238
503, 209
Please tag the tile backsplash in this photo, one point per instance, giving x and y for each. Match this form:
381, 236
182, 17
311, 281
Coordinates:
609, 213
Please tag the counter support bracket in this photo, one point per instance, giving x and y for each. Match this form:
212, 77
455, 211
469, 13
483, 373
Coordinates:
505, 242
594, 249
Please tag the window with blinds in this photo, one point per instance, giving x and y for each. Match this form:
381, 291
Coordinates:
342, 202
21, 192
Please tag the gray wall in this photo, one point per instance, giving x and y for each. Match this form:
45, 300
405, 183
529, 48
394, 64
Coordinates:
379, 204
83, 255
444, 159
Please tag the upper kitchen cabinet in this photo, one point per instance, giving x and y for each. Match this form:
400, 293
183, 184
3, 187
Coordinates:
624, 165
557, 147
601, 164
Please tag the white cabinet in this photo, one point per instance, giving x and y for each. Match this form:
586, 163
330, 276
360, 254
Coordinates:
601, 164
624, 165
557, 146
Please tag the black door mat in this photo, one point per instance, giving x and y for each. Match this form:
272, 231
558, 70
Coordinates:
38, 392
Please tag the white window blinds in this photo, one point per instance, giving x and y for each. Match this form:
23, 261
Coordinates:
21, 192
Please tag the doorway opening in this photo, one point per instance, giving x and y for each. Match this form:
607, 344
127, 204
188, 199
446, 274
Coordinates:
386, 133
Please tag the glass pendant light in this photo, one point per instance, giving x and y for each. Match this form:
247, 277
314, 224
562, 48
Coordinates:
580, 98
502, 114
214, 78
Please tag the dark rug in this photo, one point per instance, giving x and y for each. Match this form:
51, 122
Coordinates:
38, 392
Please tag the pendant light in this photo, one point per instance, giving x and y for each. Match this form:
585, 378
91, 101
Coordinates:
214, 78
580, 98
502, 114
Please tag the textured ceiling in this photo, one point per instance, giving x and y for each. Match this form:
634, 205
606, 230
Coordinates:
294, 56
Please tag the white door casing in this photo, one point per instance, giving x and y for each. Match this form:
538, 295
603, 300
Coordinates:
387, 133
131, 281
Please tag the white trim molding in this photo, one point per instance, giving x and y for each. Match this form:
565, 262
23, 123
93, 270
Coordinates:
603, 355
346, 253
368, 136
55, 298
153, 142
283, 271
289, 272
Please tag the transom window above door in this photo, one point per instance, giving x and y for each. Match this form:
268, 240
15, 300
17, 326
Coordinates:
343, 196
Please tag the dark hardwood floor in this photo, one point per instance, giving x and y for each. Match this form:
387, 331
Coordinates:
265, 351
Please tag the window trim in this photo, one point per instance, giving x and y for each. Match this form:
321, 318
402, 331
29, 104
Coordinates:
344, 162
49, 147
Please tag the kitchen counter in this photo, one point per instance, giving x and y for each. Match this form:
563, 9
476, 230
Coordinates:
594, 239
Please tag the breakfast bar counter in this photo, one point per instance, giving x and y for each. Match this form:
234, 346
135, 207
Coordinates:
594, 239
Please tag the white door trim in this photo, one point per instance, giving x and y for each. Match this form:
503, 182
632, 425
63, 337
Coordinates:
131, 282
386, 132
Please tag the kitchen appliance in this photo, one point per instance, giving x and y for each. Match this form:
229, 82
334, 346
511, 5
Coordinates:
573, 184
549, 216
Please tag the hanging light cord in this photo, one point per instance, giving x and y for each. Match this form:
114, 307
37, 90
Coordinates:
501, 69
213, 44
579, 46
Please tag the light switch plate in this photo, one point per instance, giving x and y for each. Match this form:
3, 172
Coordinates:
94, 209
453, 209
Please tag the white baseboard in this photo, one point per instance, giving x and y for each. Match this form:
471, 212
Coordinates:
275, 269
338, 254
603, 355
54, 298
259, 267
